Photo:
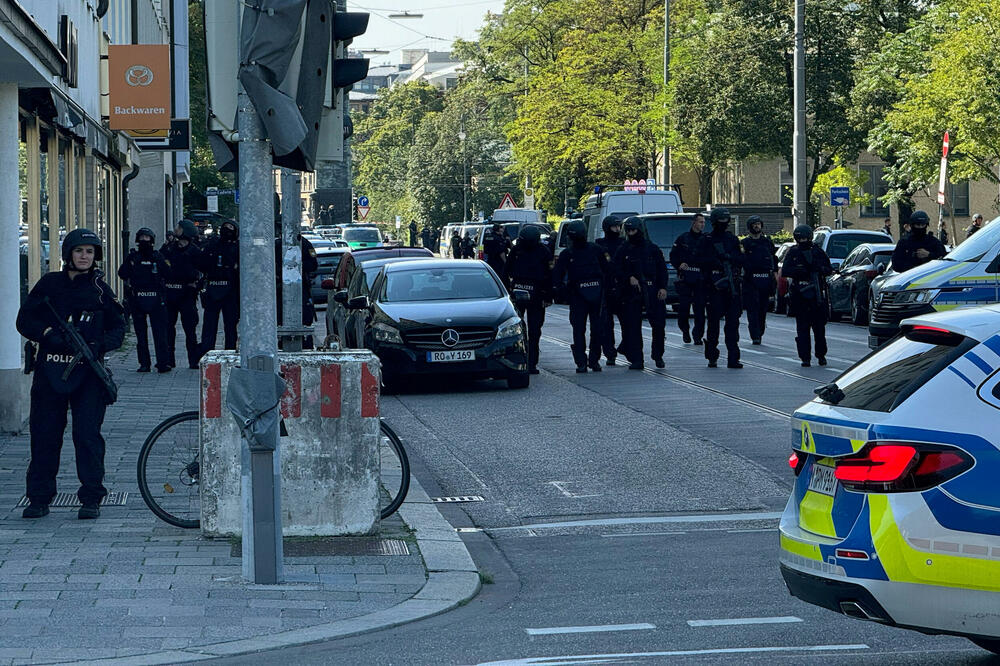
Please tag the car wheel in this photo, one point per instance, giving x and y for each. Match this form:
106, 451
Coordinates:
859, 316
518, 381
988, 644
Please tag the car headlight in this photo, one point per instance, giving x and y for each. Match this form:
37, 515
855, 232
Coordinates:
386, 333
510, 328
918, 296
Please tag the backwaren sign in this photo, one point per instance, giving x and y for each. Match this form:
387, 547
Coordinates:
139, 86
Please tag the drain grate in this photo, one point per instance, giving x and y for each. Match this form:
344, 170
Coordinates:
332, 546
459, 498
70, 500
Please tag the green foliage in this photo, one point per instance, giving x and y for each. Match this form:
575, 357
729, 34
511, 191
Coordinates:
842, 176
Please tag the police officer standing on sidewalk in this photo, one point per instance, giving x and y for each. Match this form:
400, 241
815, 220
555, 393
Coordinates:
81, 299
496, 245
642, 281
145, 273
720, 260
611, 307
918, 247
690, 282
529, 267
806, 266
182, 292
760, 277
581, 273
220, 264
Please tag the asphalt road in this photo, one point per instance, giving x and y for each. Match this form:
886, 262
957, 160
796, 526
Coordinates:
626, 517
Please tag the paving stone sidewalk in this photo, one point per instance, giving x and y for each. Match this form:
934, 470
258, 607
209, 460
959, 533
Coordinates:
128, 584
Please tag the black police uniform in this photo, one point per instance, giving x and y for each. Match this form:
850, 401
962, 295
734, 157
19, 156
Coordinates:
425, 236
88, 302
904, 257
496, 244
715, 250
413, 233
806, 267
182, 298
690, 285
145, 273
468, 247
640, 259
759, 265
581, 272
456, 246
220, 265
529, 267
611, 307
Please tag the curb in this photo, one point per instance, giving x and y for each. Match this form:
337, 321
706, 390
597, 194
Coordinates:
452, 580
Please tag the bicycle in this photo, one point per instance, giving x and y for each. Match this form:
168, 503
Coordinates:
170, 455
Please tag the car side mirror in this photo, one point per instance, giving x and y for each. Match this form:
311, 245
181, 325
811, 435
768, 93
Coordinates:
521, 296
328, 283
882, 268
357, 303
340, 296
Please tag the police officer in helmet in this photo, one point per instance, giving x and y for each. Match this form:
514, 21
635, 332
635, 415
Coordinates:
806, 266
220, 264
581, 273
918, 247
145, 273
529, 267
641, 274
720, 258
496, 245
690, 282
760, 277
82, 299
183, 257
611, 307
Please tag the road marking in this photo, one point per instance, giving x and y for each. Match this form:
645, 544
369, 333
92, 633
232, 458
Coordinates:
728, 622
643, 534
561, 485
544, 631
787, 358
647, 520
591, 658
753, 351
764, 529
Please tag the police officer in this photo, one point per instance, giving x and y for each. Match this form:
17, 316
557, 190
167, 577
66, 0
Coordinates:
496, 245
145, 273
220, 264
580, 274
80, 297
760, 276
690, 282
425, 236
456, 245
917, 248
806, 266
184, 258
611, 307
529, 267
720, 260
641, 276
468, 246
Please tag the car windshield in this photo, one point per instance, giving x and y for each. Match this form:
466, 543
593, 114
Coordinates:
364, 234
441, 284
841, 245
663, 231
976, 247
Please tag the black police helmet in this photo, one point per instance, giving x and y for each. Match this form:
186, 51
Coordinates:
575, 230
79, 237
610, 221
754, 219
188, 230
530, 235
145, 231
719, 216
802, 232
919, 219
632, 224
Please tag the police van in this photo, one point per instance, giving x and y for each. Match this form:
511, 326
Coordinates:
620, 205
967, 276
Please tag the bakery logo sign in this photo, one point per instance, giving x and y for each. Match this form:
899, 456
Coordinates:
139, 94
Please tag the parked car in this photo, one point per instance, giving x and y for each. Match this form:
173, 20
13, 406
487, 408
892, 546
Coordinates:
358, 236
781, 293
838, 243
328, 258
850, 284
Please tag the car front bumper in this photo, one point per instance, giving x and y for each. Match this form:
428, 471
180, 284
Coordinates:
499, 359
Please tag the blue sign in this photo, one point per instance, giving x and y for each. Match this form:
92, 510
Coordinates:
840, 196
362, 201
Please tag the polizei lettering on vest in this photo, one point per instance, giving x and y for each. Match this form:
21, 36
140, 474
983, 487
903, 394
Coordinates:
59, 358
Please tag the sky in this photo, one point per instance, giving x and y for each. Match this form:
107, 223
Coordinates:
441, 19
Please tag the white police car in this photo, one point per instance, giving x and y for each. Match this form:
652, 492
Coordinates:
895, 511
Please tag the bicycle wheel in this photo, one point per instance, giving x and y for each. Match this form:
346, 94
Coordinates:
395, 471
169, 469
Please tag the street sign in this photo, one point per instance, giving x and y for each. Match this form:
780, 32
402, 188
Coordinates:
840, 196
212, 199
943, 180
650, 183
363, 211
399, 221
507, 202
529, 197
363, 201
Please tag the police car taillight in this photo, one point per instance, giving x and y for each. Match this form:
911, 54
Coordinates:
895, 467
796, 461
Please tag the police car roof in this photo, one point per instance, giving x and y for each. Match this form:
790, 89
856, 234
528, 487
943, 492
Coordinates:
978, 323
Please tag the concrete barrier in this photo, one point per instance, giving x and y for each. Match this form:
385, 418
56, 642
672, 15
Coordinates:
329, 459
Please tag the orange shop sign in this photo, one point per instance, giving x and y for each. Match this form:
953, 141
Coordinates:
139, 86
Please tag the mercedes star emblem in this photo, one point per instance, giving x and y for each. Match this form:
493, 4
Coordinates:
449, 337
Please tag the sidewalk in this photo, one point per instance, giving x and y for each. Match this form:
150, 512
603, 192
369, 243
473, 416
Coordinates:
127, 584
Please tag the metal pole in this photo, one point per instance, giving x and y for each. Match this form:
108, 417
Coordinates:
291, 259
801, 165
666, 82
261, 470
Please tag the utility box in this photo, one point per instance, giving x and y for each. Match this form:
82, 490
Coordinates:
329, 457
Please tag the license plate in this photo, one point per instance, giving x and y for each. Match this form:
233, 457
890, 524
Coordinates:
453, 356
823, 480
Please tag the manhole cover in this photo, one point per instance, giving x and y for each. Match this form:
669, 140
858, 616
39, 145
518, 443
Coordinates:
346, 546
71, 500
459, 498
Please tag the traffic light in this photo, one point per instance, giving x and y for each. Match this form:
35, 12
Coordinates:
344, 73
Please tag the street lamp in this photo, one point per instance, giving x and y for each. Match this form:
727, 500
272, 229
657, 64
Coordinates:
465, 176
405, 15
374, 51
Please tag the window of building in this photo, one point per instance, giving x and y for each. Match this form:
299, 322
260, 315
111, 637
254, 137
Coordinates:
877, 188
786, 185
958, 198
